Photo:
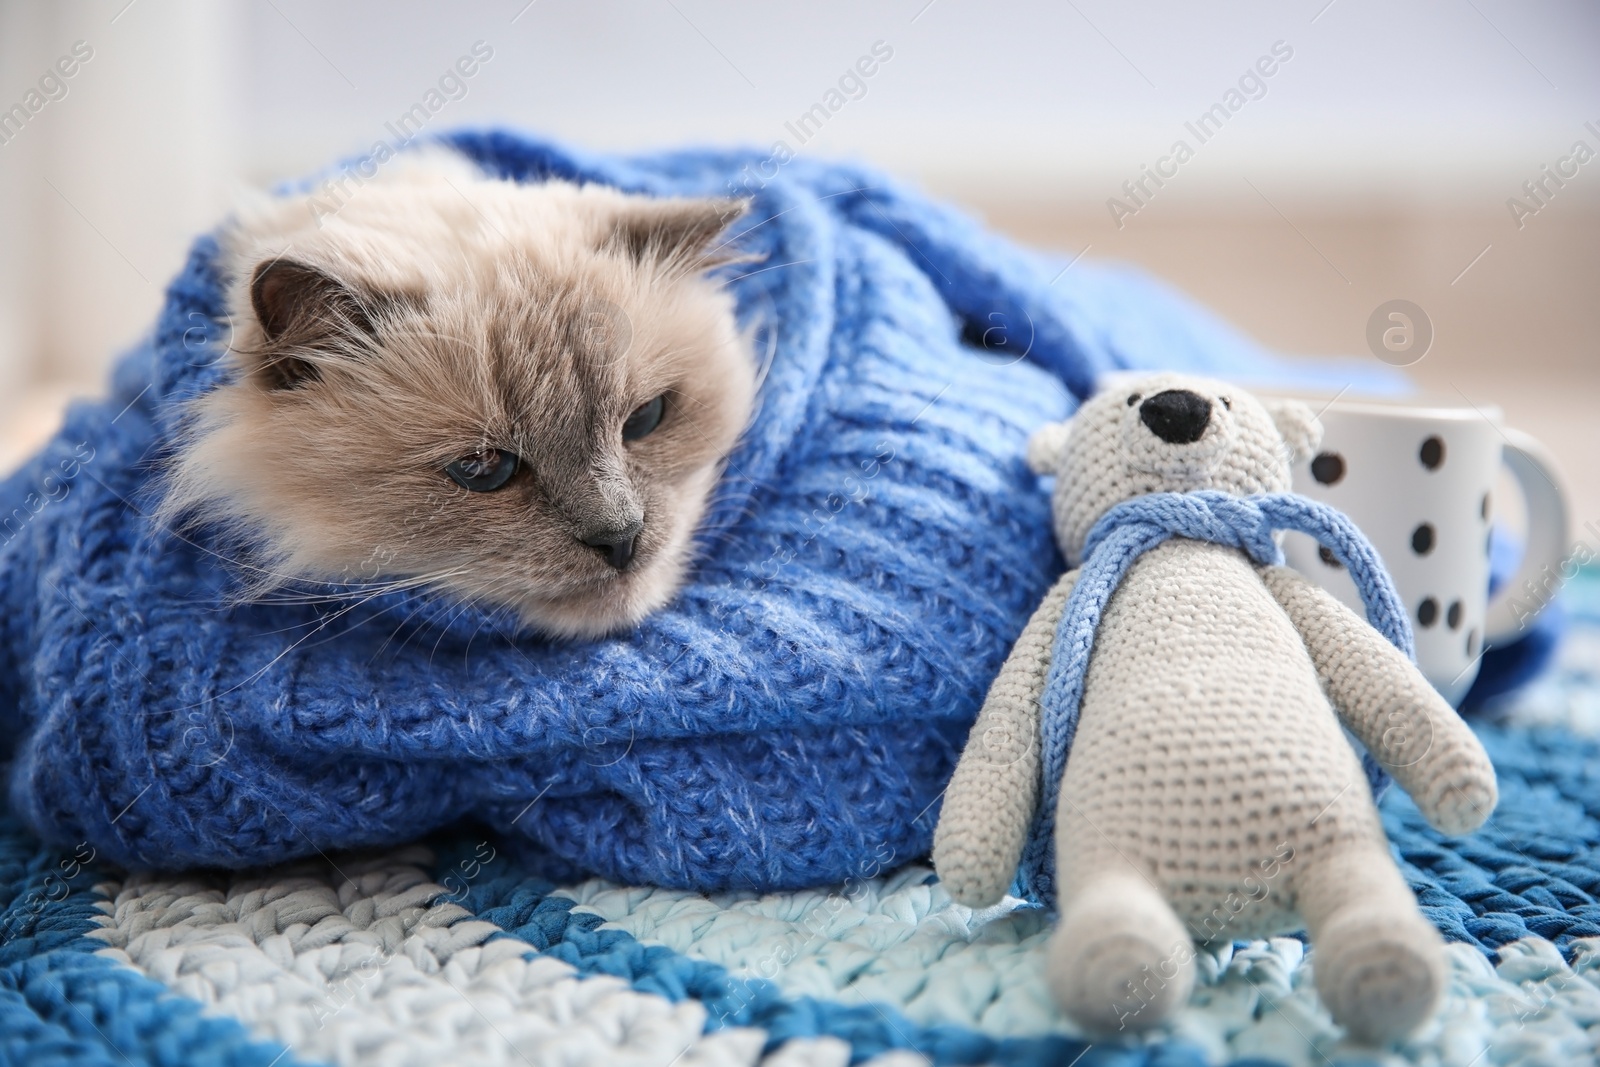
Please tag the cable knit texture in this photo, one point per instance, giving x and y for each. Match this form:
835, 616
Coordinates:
873, 552
1210, 793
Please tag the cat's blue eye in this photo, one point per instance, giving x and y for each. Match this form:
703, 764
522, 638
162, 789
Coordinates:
644, 420
484, 471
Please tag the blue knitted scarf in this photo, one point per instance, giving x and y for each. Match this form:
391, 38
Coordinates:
1116, 541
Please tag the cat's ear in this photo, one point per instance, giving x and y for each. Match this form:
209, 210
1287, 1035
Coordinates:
300, 308
677, 231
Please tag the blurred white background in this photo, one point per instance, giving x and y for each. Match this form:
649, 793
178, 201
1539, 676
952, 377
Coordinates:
1378, 163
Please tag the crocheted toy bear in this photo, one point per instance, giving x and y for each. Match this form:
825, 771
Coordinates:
1210, 793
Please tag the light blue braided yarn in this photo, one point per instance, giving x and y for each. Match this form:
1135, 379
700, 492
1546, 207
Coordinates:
1121, 536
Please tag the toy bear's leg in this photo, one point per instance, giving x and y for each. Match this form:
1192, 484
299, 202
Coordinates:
1379, 965
1119, 961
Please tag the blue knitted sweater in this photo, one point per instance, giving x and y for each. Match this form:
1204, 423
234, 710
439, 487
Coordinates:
793, 714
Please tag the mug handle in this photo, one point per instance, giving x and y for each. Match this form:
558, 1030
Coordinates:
1536, 473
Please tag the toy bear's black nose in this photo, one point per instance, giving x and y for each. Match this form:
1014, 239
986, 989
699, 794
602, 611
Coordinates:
1177, 416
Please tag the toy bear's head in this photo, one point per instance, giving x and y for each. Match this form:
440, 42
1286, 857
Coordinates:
1161, 433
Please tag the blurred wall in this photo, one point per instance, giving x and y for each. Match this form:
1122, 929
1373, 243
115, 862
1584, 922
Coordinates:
103, 186
1374, 161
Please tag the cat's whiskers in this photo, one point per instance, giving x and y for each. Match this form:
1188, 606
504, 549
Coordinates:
261, 672
469, 605
356, 589
418, 605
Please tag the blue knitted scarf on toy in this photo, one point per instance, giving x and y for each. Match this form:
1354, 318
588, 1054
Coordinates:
1115, 542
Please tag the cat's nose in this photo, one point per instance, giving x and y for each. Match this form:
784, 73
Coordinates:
616, 543
1177, 416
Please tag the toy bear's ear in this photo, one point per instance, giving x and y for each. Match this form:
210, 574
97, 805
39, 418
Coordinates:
1048, 447
1297, 424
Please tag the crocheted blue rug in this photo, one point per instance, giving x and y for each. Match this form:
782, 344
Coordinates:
876, 547
453, 953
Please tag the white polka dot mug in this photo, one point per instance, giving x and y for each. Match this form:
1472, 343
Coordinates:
1419, 482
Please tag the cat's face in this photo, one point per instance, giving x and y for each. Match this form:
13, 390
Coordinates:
520, 395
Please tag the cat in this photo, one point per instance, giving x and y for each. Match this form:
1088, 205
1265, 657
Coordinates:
518, 395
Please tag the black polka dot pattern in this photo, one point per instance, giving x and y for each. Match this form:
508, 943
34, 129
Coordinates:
1428, 611
1328, 468
1483, 508
1432, 453
1452, 615
1422, 539
1472, 643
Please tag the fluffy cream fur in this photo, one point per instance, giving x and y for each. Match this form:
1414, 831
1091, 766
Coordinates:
440, 313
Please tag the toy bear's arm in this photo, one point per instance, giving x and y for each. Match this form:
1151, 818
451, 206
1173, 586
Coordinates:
1386, 702
990, 801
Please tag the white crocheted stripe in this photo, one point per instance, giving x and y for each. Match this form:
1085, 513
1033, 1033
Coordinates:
901, 940
379, 970
362, 964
